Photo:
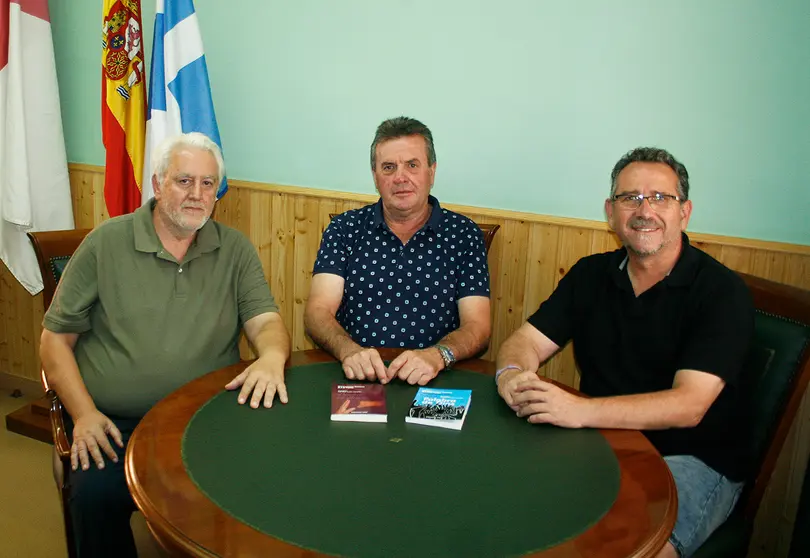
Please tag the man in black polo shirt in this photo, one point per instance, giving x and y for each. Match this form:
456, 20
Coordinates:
660, 332
400, 273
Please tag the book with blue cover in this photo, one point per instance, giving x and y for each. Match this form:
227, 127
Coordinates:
445, 408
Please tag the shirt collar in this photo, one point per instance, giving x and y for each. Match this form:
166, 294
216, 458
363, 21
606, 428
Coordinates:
434, 221
686, 267
682, 274
146, 238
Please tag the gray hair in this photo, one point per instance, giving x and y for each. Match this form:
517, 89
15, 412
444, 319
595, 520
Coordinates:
162, 155
652, 155
400, 127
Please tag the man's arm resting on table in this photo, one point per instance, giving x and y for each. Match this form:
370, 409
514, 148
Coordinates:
265, 376
91, 427
474, 328
419, 366
325, 296
682, 406
518, 359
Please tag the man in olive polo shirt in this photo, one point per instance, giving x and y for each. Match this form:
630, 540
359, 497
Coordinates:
661, 331
150, 301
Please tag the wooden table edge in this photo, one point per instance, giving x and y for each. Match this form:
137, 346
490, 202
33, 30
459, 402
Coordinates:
173, 539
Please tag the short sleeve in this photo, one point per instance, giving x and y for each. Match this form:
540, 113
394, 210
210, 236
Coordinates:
77, 291
333, 251
719, 331
253, 292
473, 268
557, 316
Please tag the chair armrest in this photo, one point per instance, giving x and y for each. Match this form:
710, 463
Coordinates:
56, 414
60, 440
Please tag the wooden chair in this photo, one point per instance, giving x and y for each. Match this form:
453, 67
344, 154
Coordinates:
53, 250
773, 383
487, 229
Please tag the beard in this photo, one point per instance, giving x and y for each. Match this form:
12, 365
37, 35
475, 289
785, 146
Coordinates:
641, 246
185, 223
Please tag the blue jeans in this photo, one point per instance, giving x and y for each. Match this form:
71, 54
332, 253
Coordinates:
705, 499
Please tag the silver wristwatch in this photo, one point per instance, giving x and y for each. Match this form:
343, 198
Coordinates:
447, 356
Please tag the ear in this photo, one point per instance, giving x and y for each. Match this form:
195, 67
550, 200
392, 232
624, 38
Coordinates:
156, 187
374, 176
609, 213
432, 174
686, 213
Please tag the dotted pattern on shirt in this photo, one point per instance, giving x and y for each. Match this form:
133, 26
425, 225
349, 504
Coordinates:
403, 296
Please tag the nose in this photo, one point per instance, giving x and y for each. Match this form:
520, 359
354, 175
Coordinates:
400, 176
195, 192
645, 209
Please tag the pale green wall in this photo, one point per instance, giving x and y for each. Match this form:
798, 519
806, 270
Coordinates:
531, 102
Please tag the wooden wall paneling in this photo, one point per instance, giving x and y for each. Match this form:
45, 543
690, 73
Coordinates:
82, 193
767, 264
100, 207
282, 278
20, 328
737, 258
497, 269
507, 287
261, 228
307, 240
541, 272
796, 271
714, 250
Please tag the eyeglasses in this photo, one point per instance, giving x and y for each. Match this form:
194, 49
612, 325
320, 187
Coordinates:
657, 200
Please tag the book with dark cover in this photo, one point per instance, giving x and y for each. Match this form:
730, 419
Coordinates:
445, 408
359, 403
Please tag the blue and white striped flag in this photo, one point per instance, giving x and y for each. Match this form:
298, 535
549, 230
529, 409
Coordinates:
179, 92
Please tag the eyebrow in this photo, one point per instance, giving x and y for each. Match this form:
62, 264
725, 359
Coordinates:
189, 175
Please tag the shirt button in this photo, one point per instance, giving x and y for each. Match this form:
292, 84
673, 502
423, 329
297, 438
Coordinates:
180, 270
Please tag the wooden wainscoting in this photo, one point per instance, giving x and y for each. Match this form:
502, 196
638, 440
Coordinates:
528, 256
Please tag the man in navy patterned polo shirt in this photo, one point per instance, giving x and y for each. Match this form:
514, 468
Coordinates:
400, 273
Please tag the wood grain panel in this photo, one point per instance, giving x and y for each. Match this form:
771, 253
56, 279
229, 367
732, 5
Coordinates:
527, 259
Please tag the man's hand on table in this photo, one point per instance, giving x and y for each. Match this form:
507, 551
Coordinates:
265, 379
541, 401
417, 367
90, 433
365, 364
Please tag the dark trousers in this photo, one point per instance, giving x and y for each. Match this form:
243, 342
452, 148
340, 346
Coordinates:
100, 503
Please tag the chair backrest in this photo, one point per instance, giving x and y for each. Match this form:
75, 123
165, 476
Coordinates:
776, 376
53, 250
488, 230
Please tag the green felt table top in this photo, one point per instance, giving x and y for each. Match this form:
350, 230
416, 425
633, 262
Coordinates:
498, 487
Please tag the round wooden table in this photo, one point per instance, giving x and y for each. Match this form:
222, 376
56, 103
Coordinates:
187, 523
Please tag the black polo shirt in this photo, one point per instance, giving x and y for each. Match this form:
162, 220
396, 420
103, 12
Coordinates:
699, 317
403, 295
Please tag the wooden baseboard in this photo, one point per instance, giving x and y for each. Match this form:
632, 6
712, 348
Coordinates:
27, 386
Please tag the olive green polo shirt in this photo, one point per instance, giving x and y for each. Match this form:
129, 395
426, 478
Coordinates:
149, 324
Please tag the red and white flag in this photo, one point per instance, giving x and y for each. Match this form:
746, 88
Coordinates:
34, 184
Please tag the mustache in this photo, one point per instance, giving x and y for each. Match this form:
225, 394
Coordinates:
641, 222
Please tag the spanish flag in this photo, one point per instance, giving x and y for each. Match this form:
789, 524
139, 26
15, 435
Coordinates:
123, 104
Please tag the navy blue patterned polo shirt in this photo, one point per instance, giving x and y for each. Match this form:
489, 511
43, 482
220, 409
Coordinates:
399, 295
